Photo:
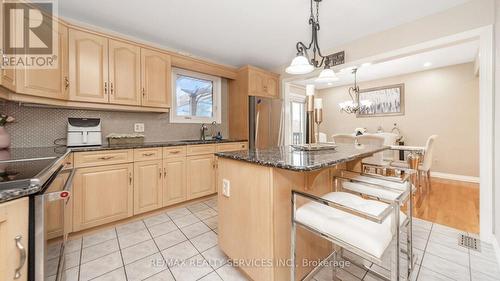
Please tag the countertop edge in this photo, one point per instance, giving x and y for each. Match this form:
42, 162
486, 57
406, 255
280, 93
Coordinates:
232, 156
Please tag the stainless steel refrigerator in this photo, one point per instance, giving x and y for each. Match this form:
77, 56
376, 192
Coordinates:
264, 122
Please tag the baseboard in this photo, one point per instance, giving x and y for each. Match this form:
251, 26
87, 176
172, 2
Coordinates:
496, 247
454, 177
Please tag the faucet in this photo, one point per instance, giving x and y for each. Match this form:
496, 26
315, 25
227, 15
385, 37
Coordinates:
203, 131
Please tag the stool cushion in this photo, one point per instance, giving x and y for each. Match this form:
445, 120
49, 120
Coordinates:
369, 190
368, 236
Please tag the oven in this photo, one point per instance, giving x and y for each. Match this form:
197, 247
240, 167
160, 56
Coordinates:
49, 224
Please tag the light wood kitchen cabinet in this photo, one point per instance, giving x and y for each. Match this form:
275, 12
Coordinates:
175, 181
48, 83
102, 194
201, 175
55, 220
88, 67
148, 186
262, 83
13, 224
156, 79
124, 73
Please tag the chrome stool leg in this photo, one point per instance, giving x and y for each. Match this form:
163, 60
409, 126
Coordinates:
293, 240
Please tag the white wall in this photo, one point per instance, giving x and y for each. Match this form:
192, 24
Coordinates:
443, 101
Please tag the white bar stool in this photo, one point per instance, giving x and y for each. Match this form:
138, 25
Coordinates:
366, 227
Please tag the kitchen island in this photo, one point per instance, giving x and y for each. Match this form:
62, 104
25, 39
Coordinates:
254, 204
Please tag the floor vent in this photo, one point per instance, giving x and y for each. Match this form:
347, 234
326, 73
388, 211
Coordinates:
469, 242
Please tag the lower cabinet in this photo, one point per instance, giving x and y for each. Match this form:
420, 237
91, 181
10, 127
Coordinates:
13, 236
54, 209
148, 183
201, 175
102, 194
175, 181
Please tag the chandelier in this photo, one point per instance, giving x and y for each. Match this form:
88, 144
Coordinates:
309, 57
352, 106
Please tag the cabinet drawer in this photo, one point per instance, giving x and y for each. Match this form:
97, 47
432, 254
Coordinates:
99, 158
233, 146
142, 154
200, 149
176, 151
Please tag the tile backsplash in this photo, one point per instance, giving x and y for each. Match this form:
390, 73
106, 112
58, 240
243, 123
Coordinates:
38, 126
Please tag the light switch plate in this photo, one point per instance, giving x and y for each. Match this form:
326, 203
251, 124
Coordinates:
139, 127
226, 187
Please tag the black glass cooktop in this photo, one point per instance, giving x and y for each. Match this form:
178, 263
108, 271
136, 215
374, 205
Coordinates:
23, 164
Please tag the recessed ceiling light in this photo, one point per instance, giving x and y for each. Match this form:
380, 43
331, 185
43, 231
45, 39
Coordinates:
329, 84
427, 64
367, 64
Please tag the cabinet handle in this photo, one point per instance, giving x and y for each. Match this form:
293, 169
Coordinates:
175, 152
111, 87
106, 157
105, 88
130, 178
159, 169
22, 256
143, 92
66, 82
148, 154
164, 172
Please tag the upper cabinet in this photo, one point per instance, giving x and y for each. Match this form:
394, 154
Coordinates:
124, 73
261, 83
156, 72
88, 67
49, 83
103, 70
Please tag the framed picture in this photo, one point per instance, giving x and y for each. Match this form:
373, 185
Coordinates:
384, 101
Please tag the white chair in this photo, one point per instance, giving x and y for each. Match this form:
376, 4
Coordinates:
424, 168
377, 160
390, 139
368, 228
341, 138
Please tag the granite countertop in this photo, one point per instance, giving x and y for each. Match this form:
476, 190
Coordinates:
286, 157
19, 165
151, 144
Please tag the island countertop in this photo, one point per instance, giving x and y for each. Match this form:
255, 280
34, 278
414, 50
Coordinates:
286, 157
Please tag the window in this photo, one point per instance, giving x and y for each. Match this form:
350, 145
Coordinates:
298, 120
196, 97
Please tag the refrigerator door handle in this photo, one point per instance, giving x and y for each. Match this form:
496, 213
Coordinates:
257, 117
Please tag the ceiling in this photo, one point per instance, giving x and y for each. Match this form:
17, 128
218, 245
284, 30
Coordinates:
447, 56
239, 32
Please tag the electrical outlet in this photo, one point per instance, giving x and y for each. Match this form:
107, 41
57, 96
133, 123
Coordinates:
226, 187
139, 127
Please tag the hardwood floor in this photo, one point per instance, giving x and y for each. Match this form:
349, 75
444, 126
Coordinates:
451, 203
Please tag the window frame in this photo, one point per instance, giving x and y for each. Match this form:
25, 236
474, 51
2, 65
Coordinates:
216, 98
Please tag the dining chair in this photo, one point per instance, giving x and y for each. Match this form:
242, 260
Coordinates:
424, 168
342, 138
377, 160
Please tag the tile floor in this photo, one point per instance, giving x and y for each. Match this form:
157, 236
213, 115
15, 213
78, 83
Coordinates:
181, 244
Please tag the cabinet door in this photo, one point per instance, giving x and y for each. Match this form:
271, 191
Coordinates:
13, 223
88, 67
124, 73
156, 79
200, 175
148, 176
102, 195
256, 83
174, 183
54, 209
271, 86
49, 83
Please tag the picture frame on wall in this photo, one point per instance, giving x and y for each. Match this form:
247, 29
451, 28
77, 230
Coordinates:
384, 101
